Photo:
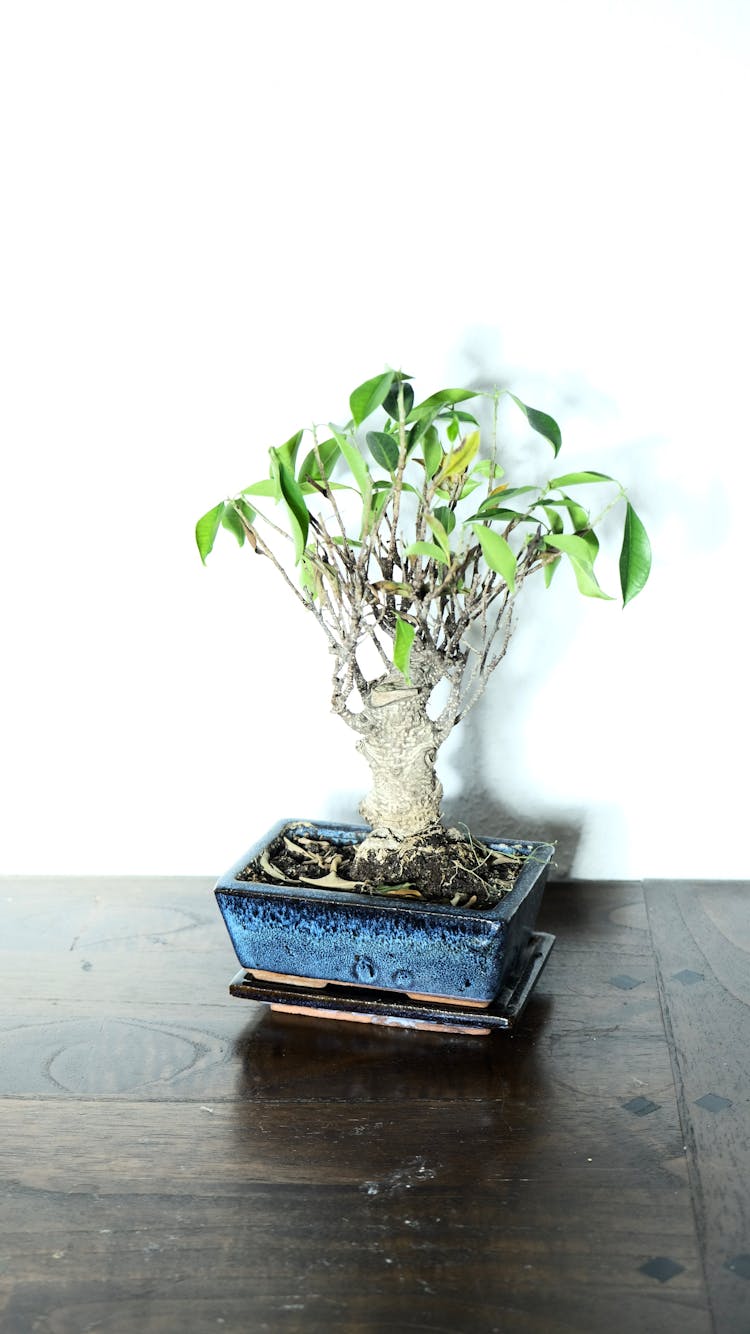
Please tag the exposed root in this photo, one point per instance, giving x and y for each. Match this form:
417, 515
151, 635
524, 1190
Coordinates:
440, 865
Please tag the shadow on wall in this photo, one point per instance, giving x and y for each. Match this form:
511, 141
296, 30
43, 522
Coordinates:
492, 775
490, 759
663, 472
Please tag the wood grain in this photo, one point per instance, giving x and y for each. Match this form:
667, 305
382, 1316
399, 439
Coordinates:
170, 1159
701, 936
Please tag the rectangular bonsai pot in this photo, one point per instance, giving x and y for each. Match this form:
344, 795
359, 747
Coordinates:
426, 949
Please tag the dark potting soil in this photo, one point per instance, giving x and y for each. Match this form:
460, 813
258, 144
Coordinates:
443, 866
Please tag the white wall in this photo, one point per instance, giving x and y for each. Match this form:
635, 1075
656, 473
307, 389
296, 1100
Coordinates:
218, 218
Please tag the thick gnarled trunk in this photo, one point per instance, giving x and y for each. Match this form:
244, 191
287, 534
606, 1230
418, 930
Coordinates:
399, 742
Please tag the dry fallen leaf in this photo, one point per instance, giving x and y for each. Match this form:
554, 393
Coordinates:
305, 854
271, 870
330, 881
503, 856
406, 893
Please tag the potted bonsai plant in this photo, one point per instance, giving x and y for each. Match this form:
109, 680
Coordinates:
403, 539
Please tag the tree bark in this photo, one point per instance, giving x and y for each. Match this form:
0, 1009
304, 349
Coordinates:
400, 743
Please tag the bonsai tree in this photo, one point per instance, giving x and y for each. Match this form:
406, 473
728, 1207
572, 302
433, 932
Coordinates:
402, 538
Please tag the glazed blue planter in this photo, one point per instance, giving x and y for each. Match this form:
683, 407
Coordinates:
425, 949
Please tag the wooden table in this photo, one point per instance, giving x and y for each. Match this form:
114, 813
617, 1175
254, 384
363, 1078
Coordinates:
172, 1159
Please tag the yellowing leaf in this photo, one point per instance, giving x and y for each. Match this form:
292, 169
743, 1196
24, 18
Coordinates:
459, 458
404, 892
389, 586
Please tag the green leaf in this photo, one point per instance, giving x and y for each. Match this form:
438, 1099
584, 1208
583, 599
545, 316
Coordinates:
248, 517
453, 429
417, 433
446, 516
506, 515
542, 423
579, 552
486, 466
493, 507
439, 531
572, 545
382, 485
322, 488
635, 556
587, 581
497, 496
447, 494
294, 500
578, 515
206, 529
231, 520
402, 647
432, 404
384, 449
459, 458
361, 474
458, 415
357, 466
497, 554
592, 542
328, 452
427, 549
470, 484
265, 488
381, 494
369, 396
390, 402
550, 570
555, 523
578, 478
432, 451
309, 576
380, 498
245, 512
288, 451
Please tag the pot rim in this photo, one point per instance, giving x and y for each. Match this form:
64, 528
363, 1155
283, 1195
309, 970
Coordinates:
538, 857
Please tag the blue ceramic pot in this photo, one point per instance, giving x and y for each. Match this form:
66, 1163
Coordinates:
422, 948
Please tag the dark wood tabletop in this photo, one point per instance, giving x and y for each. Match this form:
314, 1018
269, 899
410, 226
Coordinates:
174, 1159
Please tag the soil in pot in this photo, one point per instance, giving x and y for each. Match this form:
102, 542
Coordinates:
441, 866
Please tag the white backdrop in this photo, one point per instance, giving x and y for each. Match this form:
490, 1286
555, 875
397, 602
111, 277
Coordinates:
217, 219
